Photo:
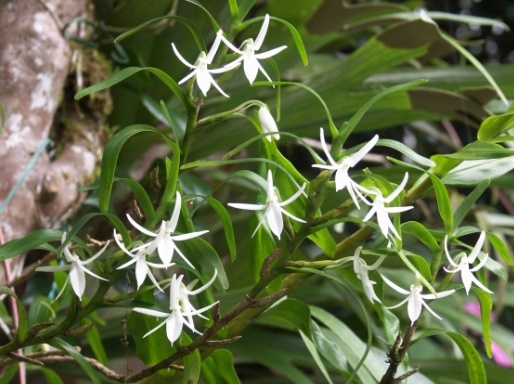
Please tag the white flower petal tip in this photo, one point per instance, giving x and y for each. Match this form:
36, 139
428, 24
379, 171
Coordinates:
268, 124
382, 212
164, 240
415, 299
273, 208
464, 264
76, 268
248, 54
181, 310
200, 69
341, 168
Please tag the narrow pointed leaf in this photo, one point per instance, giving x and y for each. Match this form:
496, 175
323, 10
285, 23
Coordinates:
70, 350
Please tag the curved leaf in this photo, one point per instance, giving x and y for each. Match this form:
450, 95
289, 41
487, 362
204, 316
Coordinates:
226, 221
32, 241
474, 363
128, 72
110, 158
64, 346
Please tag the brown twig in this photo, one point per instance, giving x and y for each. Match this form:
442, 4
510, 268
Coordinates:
397, 354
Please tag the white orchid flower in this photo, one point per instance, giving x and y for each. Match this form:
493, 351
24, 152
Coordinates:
378, 207
415, 300
362, 269
182, 311
465, 261
248, 56
200, 69
77, 270
142, 264
273, 208
268, 124
164, 240
342, 167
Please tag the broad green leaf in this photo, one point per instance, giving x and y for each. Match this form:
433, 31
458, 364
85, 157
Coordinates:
494, 125
70, 350
218, 368
330, 350
315, 355
226, 221
192, 363
23, 325
110, 158
474, 363
471, 172
481, 150
347, 129
128, 72
422, 233
290, 313
34, 240
353, 349
205, 259
486, 305
468, 203
443, 203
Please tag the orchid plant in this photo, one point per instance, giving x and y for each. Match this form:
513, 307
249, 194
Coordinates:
289, 271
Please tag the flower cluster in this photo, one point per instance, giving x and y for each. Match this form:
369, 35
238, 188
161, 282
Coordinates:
164, 243
247, 55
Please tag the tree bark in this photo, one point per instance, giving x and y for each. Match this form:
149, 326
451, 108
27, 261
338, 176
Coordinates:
35, 62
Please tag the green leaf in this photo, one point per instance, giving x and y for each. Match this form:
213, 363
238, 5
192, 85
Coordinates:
94, 340
8, 374
51, 377
471, 172
141, 196
353, 348
88, 369
296, 38
328, 348
205, 259
289, 314
468, 202
500, 247
481, 150
110, 158
84, 219
226, 221
189, 25
128, 72
474, 363
402, 148
356, 118
213, 21
23, 325
423, 234
494, 125
315, 355
32, 241
192, 363
486, 305
218, 368
443, 203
